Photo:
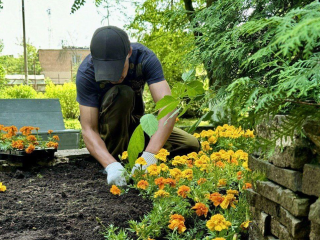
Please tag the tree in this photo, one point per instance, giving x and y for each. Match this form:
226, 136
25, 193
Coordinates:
2, 69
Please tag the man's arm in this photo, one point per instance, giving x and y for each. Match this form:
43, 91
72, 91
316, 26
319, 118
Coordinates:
157, 141
89, 122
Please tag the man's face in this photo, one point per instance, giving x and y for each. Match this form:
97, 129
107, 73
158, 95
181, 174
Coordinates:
125, 69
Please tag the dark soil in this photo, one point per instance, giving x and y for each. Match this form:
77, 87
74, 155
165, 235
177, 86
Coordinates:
63, 202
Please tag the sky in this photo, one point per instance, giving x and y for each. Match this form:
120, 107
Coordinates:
47, 31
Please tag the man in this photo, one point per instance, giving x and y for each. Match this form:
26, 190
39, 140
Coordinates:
110, 84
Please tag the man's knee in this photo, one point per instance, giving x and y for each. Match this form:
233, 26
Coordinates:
194, 144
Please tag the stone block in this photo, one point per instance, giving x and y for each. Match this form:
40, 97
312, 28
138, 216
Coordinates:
314, 215
315, 231
280, 231
311, 180
288, 178
297, 206
261, 220
296, 227
72, 153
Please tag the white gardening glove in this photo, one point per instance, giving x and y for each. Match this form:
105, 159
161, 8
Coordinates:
116, 174
149, 158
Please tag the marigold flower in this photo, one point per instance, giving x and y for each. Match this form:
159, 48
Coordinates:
212, 140
37, 129
201, 181
218, 223
178, 160
124, 155
17, 144
56, 137
31, 138
162, 155
222, 182
115, 190
30, 149
50, 131
143, 184
201, 209
220, 164
177, 119
161, 193
206, 146
247, 186
234, 192
196, 135
177, 217
153, 170
11, 131
216, 198
177, 222
188, 174
219, 238
229, 200
141, 161
249, 133
171, 182
189, 163
245, 225
26, 130
163, 167
193, 155
3, 188
175, 173
52, 144
160, 182
239, 175
183, 191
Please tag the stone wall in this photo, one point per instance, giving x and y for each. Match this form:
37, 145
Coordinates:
287, 206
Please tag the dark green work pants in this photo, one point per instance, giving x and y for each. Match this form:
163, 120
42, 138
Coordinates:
118, 119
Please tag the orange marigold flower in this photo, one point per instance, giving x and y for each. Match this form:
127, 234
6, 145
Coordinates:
220, 164
52, 144
143, 184
176, 224
177, 217
30, 149
26, 130
31, 138
160, 182
247, 186
56, 137
229, 200
12, 131
189, 163
37, 129
177, 119
216, 198
18, 144
50, 131
201, 209
171, 182
201, 181
183, 191
239, 175
115, 190
219, 238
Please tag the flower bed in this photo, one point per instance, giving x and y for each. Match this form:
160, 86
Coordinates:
24, 146
198, 196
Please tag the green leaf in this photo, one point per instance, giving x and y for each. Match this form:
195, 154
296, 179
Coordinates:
171, 116
188, 75
136, 145
149, 124
195, 88
205, 117
178, 90
168, 109
166, 100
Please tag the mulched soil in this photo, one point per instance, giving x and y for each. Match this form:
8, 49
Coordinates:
63, 202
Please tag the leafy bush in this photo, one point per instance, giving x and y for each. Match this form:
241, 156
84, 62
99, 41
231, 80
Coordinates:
18, 91
67, 96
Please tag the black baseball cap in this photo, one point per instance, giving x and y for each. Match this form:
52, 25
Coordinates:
109, 48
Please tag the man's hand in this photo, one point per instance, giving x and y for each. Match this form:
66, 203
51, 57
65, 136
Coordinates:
149, 158
116, 174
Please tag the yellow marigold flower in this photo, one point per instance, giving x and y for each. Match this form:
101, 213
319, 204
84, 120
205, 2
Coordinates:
163, 167
203, 160
201, 209
3, 188
177, 119
30, 149
177, 222
247, 186
153, 170
115, 190
188, 174
216, 156
245, 225
234, 192
141, 161
31, 138
200, 153
193, 155
183, 191
222, 182
197, 135
124, 155
216, 198
160, 182
56, 137
161, 193
229, 200
50, 131
175, 173
142, 184
162, 155
178, 160
204, 134
219, 238
218, 223
171, 182
206, 146
212, 140
249, 133
201, 181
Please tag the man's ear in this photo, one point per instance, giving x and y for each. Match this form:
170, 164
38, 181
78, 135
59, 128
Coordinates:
130, 52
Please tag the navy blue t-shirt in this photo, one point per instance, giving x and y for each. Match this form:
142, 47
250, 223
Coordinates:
144, 67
